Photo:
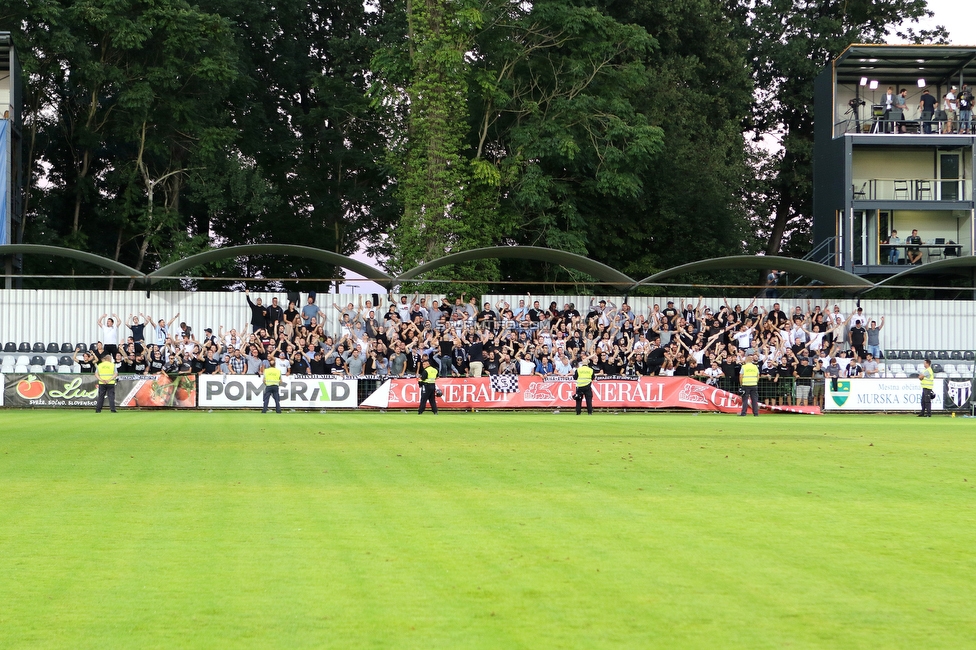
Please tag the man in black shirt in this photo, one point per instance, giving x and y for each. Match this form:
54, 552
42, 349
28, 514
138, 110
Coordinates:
476, 358
804, 384
927, 104
856, 337
275, 314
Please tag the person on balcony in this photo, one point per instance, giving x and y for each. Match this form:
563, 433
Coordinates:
927, 104
901, 104
894, 241
914, 255
950, 107
965, 102
888, 101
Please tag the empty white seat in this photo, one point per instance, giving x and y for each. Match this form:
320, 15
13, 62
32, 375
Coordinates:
901, 375
76, 368
20, 370
942, 375
7, 365
895, 368
35, 369
23, 360
64, 369
909, 368
948, 368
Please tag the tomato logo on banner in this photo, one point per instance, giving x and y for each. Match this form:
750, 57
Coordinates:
30, 388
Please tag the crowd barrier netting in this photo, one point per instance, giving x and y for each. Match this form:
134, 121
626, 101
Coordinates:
63, 390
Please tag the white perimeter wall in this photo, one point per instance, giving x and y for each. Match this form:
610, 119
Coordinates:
69, 316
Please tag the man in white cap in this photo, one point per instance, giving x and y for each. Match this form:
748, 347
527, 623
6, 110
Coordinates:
951, 106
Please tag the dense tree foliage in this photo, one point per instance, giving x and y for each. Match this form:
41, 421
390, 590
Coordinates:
411, 129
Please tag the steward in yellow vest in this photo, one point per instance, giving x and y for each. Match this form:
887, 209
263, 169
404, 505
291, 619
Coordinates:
107, 375
749, 381
927, 379
272, 382
428, 387
584, 386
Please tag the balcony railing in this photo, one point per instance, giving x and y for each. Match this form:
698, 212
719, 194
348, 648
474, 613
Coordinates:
911, 189
904, 127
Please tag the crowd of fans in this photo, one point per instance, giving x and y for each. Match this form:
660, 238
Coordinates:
797, 350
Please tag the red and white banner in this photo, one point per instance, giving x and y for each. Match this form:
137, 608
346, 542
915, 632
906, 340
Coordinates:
510, 392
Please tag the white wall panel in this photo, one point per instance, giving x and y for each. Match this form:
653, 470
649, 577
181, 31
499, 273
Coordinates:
69, 316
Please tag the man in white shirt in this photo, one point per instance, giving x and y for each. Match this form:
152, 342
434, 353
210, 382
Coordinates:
110, 332
950, 108
743, 338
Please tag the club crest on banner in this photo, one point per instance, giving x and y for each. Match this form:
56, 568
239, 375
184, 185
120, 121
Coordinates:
959, 392
842, 393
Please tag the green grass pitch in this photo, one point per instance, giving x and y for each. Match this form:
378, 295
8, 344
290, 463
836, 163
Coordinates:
486, 530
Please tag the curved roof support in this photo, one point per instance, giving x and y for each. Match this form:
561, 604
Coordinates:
827, 274
959, 263
367, 271
576, 262
71, 253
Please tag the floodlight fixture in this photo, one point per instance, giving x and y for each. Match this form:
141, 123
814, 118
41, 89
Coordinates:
921, 83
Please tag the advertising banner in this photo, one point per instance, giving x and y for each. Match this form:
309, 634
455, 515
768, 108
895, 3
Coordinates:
309, 392
880, 395
511, 392
55, 390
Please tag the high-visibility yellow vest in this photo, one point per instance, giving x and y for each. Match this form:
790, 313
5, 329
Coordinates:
272, 376
584, 376
105, 372
928, 378
430, 375
750, 374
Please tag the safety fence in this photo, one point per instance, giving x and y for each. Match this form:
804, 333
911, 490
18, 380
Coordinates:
64, 390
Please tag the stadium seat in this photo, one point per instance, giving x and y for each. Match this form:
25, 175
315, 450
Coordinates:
930, 354
937, 367
65, 361
93, 346
37, 360
904, 355
942, 375
23, 360
64, 370
956, 355
949, 368
38, 348
53, 348
917, 355
943, 355
10, 347
909, 368
969, 355
7, 365
50, 364
76, 369
893, 368
82, 347
21, 369
881, 355
900, 375
24, 347
66, 348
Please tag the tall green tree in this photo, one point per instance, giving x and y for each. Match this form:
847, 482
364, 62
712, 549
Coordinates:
124, 97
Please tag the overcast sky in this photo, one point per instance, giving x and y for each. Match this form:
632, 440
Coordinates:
958, 16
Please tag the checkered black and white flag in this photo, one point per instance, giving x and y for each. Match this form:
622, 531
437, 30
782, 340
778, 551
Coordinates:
504, 383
